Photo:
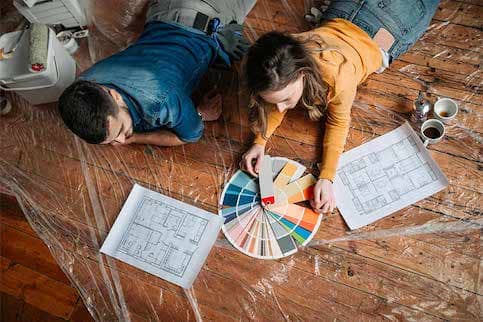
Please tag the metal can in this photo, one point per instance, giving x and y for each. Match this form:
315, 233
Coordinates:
421, 108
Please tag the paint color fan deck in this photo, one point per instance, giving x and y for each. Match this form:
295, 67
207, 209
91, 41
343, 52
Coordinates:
273, 231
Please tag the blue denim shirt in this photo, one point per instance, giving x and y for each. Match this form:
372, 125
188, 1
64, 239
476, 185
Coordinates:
156, 77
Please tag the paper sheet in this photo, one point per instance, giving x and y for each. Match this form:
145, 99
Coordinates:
162, 236
385, 175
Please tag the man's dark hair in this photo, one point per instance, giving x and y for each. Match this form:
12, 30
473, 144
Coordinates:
84, 106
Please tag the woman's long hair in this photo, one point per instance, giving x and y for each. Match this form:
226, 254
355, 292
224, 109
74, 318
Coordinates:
274, 61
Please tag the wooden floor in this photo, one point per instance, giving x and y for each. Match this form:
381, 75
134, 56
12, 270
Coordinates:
32, 286
421, 264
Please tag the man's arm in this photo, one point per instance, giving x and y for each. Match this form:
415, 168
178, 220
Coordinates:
160, 138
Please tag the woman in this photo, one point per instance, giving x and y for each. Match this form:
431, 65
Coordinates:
320, 70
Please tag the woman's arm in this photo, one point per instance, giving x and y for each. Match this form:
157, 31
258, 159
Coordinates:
252, 159
274, 119
336, 130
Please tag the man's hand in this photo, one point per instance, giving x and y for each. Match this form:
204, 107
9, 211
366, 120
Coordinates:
232, 41
324, 197
128, 140
211, 106
252, 159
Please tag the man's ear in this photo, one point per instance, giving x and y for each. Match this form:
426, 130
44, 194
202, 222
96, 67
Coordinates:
115, 95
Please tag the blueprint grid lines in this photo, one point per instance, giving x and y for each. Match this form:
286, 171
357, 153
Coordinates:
162, 236
385, 175
398, 166
152, 219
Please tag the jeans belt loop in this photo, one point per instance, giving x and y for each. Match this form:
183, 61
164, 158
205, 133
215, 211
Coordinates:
359, 7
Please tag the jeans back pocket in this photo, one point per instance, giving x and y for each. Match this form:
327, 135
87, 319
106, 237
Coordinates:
403, 16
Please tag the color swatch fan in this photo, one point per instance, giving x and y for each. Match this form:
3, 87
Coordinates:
269, 230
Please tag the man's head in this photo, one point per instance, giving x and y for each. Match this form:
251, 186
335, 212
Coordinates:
95, 113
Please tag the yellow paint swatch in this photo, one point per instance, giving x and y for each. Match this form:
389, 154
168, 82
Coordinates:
285, 175
300, 190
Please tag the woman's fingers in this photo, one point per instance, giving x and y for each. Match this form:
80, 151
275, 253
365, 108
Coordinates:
249, 166
251, 161
318, 210
317, 196
258, 163
326, 206
314, 206
332, 205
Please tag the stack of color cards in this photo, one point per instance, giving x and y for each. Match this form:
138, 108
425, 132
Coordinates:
272, 231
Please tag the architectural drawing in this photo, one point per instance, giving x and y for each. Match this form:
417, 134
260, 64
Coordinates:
385, 175
152, 236
162, 236
380, 178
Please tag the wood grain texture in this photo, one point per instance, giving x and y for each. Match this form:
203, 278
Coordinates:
34, 277
72, 193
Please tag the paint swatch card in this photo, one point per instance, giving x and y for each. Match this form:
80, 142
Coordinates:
265, 180
269, 231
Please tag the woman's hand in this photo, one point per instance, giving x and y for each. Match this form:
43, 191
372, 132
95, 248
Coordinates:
324, 198
252, 159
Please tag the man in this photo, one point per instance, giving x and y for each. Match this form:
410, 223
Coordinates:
143, 94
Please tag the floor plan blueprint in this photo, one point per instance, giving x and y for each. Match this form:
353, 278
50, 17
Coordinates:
385, 175
162, 236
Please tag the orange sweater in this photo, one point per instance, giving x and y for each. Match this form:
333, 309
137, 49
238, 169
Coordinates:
350, 58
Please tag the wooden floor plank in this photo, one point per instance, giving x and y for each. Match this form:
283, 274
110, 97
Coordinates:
206, 190
337, 265
123, 292
20, 244
15, 310
384, 249
36, 289
80, 313
452, 35
465, 14
30, 252
11, 215
414, 255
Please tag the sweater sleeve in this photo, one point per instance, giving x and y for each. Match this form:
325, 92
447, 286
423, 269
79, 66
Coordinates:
336, 129
274, 119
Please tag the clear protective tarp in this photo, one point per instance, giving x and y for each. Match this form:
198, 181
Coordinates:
422, 263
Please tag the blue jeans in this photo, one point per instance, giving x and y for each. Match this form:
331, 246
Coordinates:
406, 20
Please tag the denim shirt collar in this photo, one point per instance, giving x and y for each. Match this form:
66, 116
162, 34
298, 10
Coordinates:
131, 107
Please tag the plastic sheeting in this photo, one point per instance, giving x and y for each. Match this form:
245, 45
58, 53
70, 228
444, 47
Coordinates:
422, 263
